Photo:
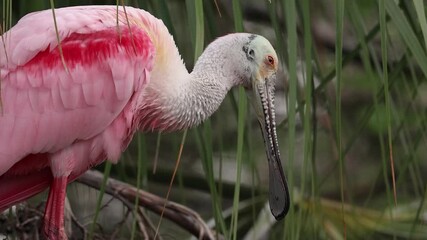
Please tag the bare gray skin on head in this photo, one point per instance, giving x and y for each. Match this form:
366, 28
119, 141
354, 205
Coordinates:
188, 99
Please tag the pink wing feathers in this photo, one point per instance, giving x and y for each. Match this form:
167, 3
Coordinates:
47, 108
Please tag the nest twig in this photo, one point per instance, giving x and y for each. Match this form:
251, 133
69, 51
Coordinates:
177, 213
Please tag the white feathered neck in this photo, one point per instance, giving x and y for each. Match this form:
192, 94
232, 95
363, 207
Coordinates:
176, 99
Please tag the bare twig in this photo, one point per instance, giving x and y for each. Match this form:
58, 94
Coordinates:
29, 220
79, 225
120, 225
179, 214
140, 218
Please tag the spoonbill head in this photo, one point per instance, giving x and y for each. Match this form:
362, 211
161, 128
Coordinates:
250, 60
264, 64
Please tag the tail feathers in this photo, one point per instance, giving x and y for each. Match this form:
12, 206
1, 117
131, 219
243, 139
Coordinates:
17, 188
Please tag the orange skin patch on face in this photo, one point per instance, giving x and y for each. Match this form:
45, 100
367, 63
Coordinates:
268, 67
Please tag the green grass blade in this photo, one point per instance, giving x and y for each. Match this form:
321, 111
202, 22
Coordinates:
178, 161
242, 107
107, 171
200, 29
57, 36
163, 13
420, 9
407, 34
347, 59
5, 11
338, 66
204, 141
308, 109
272, 9
357, 20
141, 178
417, 215
196, 17
291, 24
237, 16
207, 128
156, 155
211, 24
383, 28
239, 158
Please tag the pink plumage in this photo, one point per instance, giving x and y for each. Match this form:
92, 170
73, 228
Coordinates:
68, 118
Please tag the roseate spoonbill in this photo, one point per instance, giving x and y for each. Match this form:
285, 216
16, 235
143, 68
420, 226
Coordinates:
74, 97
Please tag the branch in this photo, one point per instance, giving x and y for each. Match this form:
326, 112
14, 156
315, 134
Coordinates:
179, 214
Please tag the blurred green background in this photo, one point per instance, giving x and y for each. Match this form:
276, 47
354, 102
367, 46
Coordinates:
351, 102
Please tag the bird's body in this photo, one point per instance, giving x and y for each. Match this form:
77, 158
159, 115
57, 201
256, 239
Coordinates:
91, 101
68, 105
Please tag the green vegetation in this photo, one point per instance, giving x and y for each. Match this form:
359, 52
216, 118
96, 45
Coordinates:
352, 116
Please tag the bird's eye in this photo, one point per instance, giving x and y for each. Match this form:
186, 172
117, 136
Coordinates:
270, 60
252, 53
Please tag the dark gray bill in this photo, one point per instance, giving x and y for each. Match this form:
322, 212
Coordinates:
278, 187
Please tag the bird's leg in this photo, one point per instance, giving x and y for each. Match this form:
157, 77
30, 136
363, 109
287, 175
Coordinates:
54, 212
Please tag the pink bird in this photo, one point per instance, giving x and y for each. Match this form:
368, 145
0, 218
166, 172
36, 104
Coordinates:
69, 105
